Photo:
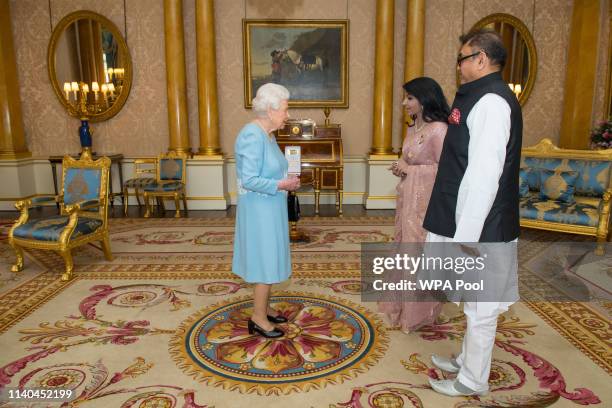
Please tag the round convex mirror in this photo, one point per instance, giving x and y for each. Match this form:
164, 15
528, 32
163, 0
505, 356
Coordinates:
89, 65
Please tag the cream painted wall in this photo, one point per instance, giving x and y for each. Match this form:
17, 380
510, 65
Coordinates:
140, 129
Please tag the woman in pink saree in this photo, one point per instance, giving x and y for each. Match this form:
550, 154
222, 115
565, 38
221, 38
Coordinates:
424, 101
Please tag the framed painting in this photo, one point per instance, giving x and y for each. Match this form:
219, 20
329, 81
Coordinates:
308, 57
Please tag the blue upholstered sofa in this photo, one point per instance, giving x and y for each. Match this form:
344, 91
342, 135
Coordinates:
566, 190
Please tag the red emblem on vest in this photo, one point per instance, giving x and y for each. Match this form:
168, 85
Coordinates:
454, 117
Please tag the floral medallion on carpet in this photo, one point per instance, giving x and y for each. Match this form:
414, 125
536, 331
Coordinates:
163, 325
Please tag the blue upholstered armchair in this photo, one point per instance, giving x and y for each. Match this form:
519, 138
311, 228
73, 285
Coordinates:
169, 181
82, 219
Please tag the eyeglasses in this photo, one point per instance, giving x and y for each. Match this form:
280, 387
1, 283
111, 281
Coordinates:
461, 58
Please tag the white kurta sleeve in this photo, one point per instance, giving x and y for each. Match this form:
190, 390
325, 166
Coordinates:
489, 126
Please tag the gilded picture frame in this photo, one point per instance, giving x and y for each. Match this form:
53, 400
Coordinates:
308, 57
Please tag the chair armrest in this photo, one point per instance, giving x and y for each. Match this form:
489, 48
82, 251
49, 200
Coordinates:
37, 201
73, 211
82, 205
23, 206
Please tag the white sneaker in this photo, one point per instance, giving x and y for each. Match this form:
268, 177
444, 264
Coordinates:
454, 388
446, 364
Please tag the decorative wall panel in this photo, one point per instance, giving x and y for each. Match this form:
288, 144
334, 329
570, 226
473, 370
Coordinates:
141, 128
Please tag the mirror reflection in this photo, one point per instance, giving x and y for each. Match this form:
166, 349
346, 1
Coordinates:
89, 65
516, 71
521, 64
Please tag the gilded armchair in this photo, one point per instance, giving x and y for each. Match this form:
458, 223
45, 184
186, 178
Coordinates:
83, 214
169, 181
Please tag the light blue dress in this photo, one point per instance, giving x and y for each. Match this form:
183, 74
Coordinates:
261, 240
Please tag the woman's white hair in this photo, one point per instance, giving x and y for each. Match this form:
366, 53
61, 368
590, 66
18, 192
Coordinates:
269, 96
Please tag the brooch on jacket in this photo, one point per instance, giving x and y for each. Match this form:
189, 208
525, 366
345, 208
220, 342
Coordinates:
454, 117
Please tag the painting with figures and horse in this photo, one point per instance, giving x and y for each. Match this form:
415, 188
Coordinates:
308, 57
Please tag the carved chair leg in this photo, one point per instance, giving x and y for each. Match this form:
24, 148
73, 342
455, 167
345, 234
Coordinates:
137, 194
177, 205
67, 275
18, 266
106, 248
147, 204
601, 246
185, 203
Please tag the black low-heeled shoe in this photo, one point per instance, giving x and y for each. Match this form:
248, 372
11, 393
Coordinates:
277, 319
270, 334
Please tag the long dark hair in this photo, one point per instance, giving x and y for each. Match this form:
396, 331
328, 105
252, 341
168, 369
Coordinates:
430, 95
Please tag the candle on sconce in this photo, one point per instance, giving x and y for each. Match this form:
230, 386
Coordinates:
104, 89
85, 89
517, 90
75, 88
95, 88
511, 85
111, 90
67, 90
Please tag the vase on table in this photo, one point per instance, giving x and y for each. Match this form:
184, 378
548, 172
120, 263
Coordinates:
85, 137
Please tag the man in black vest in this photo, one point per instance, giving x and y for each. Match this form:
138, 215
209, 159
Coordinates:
475, 196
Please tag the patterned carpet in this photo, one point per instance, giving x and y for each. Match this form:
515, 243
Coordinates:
163, 325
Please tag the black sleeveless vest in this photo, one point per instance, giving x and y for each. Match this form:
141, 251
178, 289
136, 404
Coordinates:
502, 222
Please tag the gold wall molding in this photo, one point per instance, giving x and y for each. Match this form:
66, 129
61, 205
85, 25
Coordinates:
12, 137
50, 131
580, 75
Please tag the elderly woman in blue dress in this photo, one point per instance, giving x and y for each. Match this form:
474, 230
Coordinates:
261, 244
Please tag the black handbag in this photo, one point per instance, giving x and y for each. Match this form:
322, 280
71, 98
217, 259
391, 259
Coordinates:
293, 207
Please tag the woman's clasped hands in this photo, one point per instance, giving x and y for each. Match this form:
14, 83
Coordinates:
290, 183
397, 170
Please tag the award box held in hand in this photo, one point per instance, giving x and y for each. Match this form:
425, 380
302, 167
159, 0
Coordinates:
293, 155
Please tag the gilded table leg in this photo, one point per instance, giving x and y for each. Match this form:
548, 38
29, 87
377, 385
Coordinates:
18, 267
317, 188
125, 203
340, 199
67, 275
106, 247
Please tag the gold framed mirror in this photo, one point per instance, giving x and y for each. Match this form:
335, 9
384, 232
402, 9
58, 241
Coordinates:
522, 62
89, 65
